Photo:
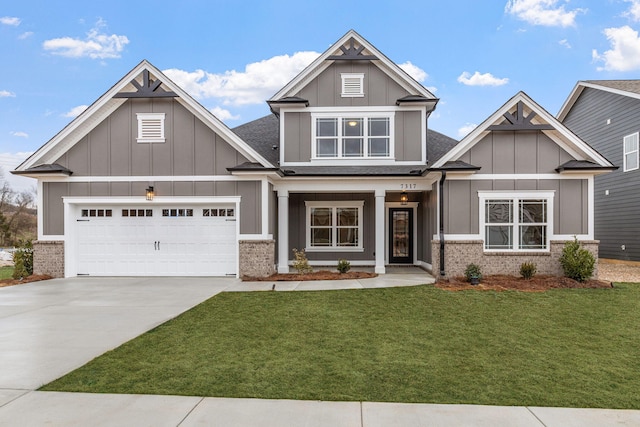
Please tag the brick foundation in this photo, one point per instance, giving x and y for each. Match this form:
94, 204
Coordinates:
257, 258
48, 258
458, 254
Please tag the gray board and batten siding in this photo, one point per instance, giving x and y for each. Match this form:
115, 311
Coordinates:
617, 215
521, 152
191, 149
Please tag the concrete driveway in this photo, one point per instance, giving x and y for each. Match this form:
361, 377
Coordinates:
50, 328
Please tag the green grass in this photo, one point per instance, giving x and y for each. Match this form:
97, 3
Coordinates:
576, 348
6, 272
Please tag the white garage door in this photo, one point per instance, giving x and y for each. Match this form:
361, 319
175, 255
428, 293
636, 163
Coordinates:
157, 241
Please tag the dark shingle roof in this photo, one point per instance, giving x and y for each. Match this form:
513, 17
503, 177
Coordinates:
457, 165
353, 170
438, 145
583, 165
262, 135
53, 168
632, 86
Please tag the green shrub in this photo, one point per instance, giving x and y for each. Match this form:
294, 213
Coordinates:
23, 260
472, 272
528, 270
577, 262
343, 266
301, 263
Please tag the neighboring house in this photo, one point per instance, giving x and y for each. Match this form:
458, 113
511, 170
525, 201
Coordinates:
345, 168
606, 114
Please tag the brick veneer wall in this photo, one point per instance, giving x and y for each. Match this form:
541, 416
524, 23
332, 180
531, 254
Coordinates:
458, 254
48, 258
257, 258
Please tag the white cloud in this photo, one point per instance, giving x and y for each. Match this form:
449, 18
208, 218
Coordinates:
634, 10
7, 94
624, 54
477, 79
466, 129
254, 85
75, 111
223, 114
542, 12
19, 134
414, 71
565, 43
97, 45
25, 35
10, 20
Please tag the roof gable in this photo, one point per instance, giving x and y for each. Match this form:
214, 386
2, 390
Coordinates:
144, 80
522, 113
352, 46
628, 88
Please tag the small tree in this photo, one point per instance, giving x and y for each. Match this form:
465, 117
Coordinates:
23, 260
473, 273
577, 262
301, 263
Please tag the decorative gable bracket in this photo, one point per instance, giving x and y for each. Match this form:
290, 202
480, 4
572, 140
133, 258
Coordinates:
352, 53
148, 89
519, 121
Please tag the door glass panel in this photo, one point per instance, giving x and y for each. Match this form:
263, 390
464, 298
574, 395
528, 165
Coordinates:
400, 234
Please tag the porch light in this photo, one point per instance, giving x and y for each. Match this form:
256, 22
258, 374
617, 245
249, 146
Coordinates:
150, 193
404, 198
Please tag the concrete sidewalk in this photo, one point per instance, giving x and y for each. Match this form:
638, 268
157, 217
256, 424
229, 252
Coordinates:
50, 328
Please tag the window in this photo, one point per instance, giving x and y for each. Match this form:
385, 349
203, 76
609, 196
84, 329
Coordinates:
177, 212
137, 212
96, 213
515, 223
352, 136
352, 85
218, 212
150, 127
630, 152
334, 225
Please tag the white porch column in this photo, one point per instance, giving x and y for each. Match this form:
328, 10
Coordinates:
283, 231
380, 236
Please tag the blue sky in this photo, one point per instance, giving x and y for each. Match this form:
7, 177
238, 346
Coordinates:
59, 57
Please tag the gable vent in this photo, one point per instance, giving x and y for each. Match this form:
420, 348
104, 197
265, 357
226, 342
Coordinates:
150, 127
352, 84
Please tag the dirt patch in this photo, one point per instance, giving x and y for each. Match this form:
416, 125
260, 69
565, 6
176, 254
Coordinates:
539, 283
32, 278
316, 275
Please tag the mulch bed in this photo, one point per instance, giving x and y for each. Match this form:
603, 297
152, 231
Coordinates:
540, 283
316, 275
32, 278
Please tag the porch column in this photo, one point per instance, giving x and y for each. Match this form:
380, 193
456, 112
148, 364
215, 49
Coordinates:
283, 231
380, 195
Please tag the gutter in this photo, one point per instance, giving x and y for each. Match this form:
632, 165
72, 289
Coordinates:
441, 215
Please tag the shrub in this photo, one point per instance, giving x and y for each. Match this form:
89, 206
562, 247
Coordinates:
23, 260
472, 272
301, 263
344, 266
528, 270
577, 262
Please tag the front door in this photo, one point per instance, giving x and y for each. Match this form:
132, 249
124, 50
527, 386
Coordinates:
400, 235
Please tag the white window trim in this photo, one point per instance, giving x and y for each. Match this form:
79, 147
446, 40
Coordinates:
625, 152
516, 197
144, 118
350, 77
359, 204
353, 115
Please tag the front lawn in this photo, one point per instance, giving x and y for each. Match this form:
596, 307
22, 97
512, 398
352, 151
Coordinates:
6, 272
575, 348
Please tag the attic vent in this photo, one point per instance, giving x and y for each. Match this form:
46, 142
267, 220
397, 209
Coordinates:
352, 84
150, 127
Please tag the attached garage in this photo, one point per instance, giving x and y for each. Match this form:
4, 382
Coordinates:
137, 239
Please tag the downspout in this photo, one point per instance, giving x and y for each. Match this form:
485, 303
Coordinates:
441, 214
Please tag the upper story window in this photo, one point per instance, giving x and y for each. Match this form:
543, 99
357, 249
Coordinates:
514, 222
150, 127
630, 152
357, 136
352, 84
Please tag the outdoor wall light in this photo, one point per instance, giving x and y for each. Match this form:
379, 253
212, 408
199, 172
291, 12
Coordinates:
404, 198
150, 193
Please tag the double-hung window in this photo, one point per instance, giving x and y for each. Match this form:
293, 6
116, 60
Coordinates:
630, 152
334, 225
354, 136
516, 222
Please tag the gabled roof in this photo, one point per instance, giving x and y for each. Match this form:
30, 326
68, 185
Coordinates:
522, 112
263, 135
109, 102
369, 51
629, 88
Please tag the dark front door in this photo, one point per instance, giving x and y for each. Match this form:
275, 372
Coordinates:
400, 235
